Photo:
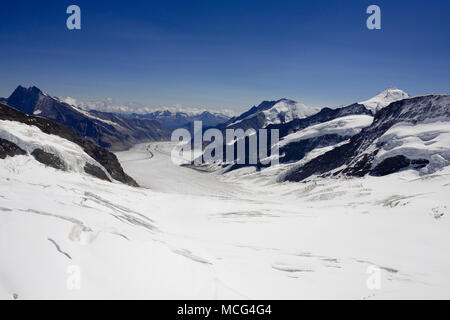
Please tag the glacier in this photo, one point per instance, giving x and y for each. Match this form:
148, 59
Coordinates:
188, 234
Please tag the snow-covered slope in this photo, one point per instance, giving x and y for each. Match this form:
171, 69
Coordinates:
66, 235
303, 137
429, 142
288, 110
30, 138
383, 99
301, 146
56, 146
410, 133
272, 112
194, 235
345, 126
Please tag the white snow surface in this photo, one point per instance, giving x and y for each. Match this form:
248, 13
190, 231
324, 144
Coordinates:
287, 110
190, 234
383, 99
343, 126
89, 115
429, 140
282, 112
30, 138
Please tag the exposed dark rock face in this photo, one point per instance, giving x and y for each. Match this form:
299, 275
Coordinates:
107, 159
48, 159
255, 122
251, 118
297, 150
361, 166
9, 149
394, 164
391, 165
108, 130
419, 163
353, 155
95, 171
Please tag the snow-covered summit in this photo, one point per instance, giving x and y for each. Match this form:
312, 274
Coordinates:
273, 112
287, 110
383, 99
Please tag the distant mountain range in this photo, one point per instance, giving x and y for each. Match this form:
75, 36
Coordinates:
112, 130
169, 117
378, 136
105, 129
181, 119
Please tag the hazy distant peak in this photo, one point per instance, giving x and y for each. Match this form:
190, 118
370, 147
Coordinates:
109, 105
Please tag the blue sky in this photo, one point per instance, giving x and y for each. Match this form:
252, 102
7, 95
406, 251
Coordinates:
225, 54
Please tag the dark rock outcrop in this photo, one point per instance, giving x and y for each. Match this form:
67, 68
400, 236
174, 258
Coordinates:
95, 171
9, 149
295, 151
397, 163
251, 115
48, 159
